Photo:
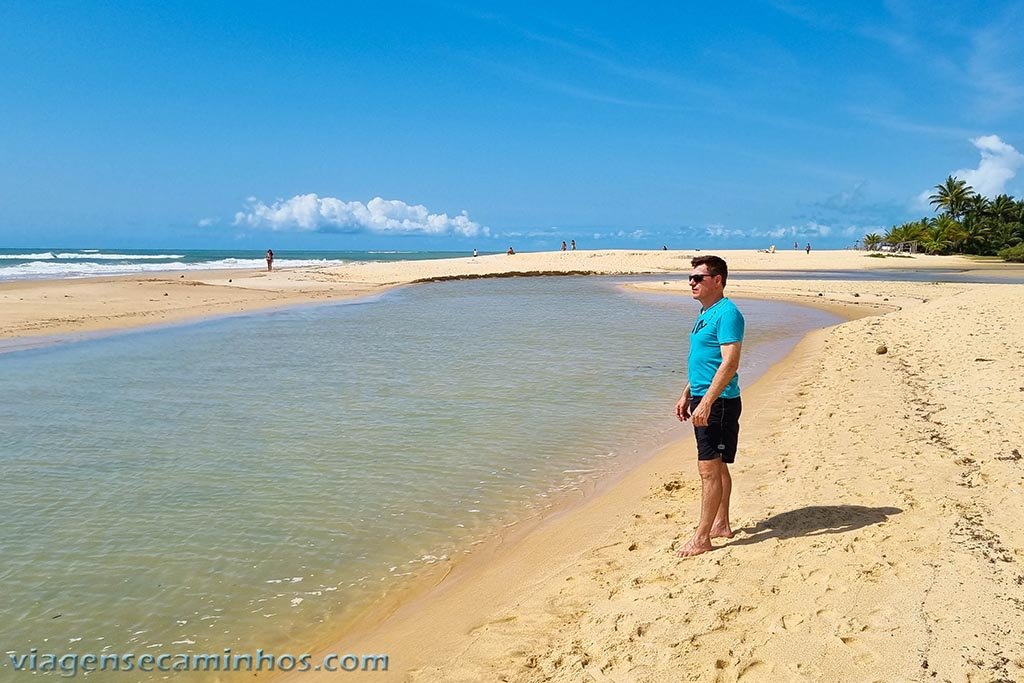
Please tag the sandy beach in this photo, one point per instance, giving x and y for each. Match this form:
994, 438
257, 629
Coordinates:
876, 496
44, 308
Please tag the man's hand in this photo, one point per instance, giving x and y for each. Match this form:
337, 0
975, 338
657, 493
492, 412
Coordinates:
683, 406
701, 414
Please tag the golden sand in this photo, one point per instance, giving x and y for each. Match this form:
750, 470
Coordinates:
35, 308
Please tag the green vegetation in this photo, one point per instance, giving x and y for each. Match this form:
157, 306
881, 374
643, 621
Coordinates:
969, 224
1015, 254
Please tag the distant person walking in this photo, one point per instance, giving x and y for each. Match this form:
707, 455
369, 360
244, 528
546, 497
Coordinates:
796, 245
712, 397
808, 248
474, 253
563, 245
270, 260
572, 245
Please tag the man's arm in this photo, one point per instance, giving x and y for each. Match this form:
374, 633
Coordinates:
726, 371
683, 404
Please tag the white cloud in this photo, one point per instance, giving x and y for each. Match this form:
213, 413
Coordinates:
716, 230
554, 232
808, 229
999, 164
621, 234
922, 202
309, 212
205, 222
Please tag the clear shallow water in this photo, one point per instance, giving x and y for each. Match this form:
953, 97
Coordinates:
236, 483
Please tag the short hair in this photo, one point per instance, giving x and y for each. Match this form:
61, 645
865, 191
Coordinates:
716, 266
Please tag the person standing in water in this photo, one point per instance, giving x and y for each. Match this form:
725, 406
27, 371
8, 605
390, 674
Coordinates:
270, 260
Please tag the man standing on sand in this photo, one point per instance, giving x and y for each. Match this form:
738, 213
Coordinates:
712, 397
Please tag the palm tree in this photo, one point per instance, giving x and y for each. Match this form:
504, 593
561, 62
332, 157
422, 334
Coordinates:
908, 232
952, 196
1003, 208
969, 222
872, 240
950, 231
977, 207
1018, 218
977, 236
1003, 235
935, 240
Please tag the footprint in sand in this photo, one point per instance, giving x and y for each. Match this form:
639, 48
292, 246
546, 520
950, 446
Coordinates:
755, 670
489, 624
791, 621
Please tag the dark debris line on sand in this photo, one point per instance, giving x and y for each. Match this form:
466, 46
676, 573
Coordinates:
511, 273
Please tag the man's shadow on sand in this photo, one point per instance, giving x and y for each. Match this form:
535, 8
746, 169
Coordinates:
815, 520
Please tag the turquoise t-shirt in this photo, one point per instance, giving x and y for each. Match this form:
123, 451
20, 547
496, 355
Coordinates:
721, 324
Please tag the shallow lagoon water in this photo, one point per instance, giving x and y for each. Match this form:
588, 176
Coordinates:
241, 481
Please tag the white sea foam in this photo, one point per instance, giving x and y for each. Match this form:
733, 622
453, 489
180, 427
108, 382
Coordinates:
76, 269
117, 257
25, 257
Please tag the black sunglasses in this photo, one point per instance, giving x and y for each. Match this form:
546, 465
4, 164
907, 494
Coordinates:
698, 277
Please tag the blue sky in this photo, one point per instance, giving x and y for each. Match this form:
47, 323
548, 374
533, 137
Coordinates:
438, 125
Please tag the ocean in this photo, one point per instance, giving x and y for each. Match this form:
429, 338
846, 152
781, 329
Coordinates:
255, 481
22, 264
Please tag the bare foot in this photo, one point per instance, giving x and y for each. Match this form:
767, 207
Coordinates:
722, 532
694, 546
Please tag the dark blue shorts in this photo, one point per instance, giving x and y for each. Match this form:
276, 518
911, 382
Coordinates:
720, 438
